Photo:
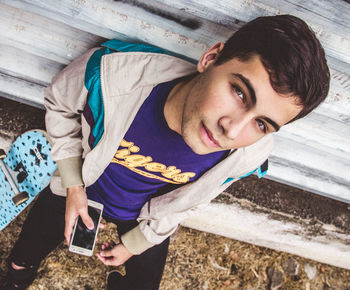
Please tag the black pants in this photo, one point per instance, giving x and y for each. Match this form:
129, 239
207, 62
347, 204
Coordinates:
43, 231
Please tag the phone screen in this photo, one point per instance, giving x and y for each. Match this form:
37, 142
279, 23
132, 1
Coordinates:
83, 237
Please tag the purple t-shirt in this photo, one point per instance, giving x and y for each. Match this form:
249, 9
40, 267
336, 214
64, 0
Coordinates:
150, 157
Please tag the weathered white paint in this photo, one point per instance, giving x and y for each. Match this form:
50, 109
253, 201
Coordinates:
21, 90
312, 178
330, 245
135, 23
44, 37
39, 37
328, 134
22, 64
329, 19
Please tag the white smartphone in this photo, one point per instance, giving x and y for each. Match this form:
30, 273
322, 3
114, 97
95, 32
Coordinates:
83, 240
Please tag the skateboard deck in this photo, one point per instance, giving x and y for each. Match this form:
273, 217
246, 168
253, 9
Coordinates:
30, 166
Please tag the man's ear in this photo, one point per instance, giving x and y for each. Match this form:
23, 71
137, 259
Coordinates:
209, 57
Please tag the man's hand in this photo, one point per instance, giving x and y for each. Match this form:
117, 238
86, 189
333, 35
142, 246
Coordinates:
76, 205
114, 255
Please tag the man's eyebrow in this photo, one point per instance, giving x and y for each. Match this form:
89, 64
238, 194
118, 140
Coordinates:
249, 86
273, 123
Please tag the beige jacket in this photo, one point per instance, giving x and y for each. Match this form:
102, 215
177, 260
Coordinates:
126, 80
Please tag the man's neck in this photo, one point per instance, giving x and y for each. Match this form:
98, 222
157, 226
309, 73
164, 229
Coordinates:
173, 108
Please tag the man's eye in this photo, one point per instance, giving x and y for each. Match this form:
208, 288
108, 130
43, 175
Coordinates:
239, 92
262, 126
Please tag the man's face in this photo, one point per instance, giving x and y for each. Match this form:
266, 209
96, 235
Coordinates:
232, 105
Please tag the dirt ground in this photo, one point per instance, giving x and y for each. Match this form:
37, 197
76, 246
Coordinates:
196, 260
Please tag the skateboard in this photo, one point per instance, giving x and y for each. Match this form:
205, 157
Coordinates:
24, 172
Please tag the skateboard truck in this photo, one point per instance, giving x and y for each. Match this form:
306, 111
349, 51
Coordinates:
19, 197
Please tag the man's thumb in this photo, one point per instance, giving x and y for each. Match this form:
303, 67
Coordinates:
87, 220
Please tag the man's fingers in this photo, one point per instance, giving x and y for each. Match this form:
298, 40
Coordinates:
87, 220
106, 253
112, 262
67, 234
100, 258
108, 245
105, 246
69, 228
113, 256
108, 261
104, 260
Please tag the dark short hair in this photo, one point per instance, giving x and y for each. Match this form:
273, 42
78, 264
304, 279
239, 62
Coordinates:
291, 54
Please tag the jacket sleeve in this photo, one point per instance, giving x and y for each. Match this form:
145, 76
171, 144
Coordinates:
154, 230
64, 100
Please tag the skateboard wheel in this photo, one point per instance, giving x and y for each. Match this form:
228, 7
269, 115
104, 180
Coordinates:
20, 198
2, 154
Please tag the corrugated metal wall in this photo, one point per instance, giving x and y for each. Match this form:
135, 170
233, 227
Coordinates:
39, 37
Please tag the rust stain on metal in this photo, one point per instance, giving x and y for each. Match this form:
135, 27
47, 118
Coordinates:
146, 25
80, 2
344, 80
336, 97
183, 39
19, 27
123, 17
168, 33
247, 3
70, 45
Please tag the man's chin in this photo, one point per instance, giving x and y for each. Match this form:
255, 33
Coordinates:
197, 146
200, 149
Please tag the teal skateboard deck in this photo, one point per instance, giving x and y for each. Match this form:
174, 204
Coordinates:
24, 172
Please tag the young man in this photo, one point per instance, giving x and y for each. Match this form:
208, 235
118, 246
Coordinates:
155, 138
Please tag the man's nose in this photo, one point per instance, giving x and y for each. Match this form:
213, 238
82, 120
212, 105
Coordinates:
233, 126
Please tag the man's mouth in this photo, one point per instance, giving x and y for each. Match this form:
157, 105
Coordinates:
207, 137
